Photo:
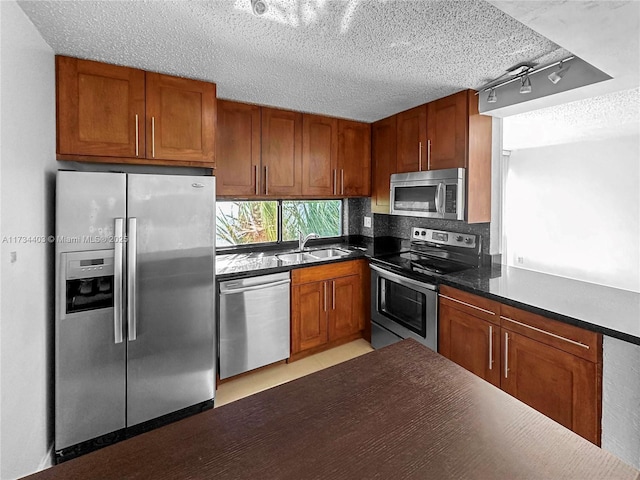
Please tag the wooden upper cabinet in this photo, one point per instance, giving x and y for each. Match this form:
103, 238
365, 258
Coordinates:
281, 152
237, 149
107, 113
383, 162
354, 159
447, 132
100, 109
319, 155
412, 140
181, 117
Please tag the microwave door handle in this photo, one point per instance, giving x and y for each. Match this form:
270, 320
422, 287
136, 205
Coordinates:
438, 198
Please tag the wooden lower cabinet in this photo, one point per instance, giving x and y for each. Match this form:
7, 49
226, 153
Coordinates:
327, 306
310, 316
551, 366
346, 314
470, 342
558, 384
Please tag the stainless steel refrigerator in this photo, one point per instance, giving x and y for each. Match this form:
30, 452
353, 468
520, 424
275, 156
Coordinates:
135, 316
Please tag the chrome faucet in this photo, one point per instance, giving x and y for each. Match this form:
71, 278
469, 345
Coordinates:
302, 240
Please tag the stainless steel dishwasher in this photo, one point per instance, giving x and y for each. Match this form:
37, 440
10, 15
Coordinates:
254, 322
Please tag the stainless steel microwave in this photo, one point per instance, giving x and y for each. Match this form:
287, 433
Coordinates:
433, 194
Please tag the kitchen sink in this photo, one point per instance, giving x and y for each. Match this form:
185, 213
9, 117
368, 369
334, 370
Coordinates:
296, 257
327, 253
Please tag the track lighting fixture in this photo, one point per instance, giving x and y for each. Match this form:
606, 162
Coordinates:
556, 76
523, 72
259, 7
525, 84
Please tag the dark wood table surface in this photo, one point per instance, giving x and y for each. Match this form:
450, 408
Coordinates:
396, 413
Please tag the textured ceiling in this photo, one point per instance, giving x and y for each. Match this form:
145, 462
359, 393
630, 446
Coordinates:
603, 117
363, 60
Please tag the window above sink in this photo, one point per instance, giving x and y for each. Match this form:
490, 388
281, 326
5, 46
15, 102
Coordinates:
275, 221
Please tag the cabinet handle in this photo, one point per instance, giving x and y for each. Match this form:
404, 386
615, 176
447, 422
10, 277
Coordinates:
490, 347
335, 181
341, 181
153, 137
573, 342
266, 180
420, 156
324, 284
506, 354
255, 167
333, 301
467, 304
137, 138
428, 154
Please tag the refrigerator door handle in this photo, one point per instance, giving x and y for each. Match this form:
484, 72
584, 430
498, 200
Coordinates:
118, 263
132, 280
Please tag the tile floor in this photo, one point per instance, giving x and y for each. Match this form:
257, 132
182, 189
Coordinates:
284, 372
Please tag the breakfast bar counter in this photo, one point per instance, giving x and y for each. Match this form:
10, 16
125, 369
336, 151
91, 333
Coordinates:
401, 412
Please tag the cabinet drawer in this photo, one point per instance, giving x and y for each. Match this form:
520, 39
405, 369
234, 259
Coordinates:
325, 272
471, 304
575, 340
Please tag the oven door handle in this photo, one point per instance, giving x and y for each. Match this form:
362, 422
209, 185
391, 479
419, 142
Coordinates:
402, 280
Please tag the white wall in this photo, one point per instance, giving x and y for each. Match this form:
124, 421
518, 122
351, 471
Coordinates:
27, 181
621, 400
574, 210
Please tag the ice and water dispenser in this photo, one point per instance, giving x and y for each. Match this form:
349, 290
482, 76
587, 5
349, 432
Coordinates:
89, 280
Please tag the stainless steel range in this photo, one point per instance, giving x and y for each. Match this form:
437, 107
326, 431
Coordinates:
404, 300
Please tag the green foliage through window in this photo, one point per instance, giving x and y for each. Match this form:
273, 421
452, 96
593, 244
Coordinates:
246, 222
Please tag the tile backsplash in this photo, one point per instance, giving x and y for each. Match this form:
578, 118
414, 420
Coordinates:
400, 226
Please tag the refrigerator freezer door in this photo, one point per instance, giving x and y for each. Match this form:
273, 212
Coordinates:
87, 204
89, 364
171, 360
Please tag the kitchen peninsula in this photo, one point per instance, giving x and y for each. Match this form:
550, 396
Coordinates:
377, 415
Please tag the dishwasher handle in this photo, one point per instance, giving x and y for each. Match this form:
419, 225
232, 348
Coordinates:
230, 291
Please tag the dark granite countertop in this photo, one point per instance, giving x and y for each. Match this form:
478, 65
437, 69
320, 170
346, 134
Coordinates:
249, 264
608, 310
603, 309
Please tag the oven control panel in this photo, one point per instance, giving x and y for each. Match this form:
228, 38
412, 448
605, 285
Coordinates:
443, 238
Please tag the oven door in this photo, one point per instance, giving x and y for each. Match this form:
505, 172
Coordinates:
405, 307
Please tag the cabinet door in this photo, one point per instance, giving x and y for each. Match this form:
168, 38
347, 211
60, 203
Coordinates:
447, 132
346, 307
354, 159
100, 109
281, 152
181, 117
471, 342
412, 140
237, 149
383, 162
309, 307
562, 386
319, 155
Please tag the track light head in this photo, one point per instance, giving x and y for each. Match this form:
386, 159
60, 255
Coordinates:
525, 85
492, 98
555, 77
259, 7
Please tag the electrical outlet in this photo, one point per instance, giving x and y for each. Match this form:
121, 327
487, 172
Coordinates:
367, 222
520, 260
13, 256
